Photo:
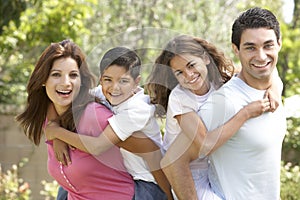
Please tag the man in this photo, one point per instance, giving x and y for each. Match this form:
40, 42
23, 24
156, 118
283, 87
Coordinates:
247, 166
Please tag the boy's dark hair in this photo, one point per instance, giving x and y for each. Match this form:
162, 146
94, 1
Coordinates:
254, 18
122, 57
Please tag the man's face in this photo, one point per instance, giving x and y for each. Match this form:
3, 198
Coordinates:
258, 54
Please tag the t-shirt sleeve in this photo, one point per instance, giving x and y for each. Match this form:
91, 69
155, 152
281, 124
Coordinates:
180, 103
133, 118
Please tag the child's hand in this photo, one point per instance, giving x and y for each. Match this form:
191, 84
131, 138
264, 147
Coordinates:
274, 99
61, 150
257, 108
50, 130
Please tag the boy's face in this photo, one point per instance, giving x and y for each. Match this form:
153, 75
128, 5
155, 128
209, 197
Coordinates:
258, 54
117, 84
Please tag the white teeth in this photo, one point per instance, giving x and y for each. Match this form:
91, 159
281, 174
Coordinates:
64, 91
194, 80
114, 94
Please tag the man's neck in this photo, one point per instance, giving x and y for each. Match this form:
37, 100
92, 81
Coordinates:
259, 84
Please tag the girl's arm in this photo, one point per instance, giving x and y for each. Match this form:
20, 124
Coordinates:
275, 90
176, 167
210, 141
194, 139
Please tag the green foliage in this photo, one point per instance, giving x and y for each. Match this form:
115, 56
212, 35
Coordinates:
40, 24
11, 186
290, 182
11, 10
291, 144
289, 60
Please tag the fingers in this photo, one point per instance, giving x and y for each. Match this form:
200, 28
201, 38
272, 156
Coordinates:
266, 105
67, 158
60, 158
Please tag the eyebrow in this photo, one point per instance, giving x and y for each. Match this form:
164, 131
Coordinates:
189, 63
251, 43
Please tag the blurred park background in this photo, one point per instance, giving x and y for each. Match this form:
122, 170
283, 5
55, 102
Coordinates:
28, 26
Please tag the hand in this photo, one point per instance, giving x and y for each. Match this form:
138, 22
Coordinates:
61, 150
273, 99
257, 108
50, 130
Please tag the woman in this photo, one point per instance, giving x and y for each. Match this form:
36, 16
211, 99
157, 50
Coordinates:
61, 77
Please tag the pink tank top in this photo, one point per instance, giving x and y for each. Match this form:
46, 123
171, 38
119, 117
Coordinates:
93, 177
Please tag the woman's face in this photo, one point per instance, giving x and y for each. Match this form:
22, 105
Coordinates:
63, 83
191, 72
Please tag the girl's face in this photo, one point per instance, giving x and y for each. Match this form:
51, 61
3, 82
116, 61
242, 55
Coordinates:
117, 84
191, 72
63, 83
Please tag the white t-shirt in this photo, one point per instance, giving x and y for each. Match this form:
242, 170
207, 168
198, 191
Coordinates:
183, 101
248, 164
135, 114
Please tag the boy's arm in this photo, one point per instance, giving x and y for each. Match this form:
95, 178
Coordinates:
60, 148
139, 144
89, 144
144, 147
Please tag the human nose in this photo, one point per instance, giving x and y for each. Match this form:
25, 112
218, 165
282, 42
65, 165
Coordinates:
189, 73
115, 86
261, 55
66, 80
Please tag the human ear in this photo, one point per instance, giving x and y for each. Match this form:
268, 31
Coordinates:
235, 49
137, 80
279, 43
206, 60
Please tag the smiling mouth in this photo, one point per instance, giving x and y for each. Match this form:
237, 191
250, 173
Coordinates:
62, 92
261, 66
114, 95
193, 80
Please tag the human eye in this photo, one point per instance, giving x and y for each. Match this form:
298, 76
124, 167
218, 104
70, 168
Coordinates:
105, 79
177, 73
269, 46
191, 65
55, 74
74, 75
249, 48
124, 81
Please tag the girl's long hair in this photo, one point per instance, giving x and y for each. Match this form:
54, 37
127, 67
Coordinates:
161, 80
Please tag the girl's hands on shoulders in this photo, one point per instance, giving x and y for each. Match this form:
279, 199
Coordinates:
274, 99
256, 108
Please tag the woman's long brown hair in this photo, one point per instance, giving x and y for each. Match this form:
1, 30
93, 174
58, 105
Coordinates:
34, 116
